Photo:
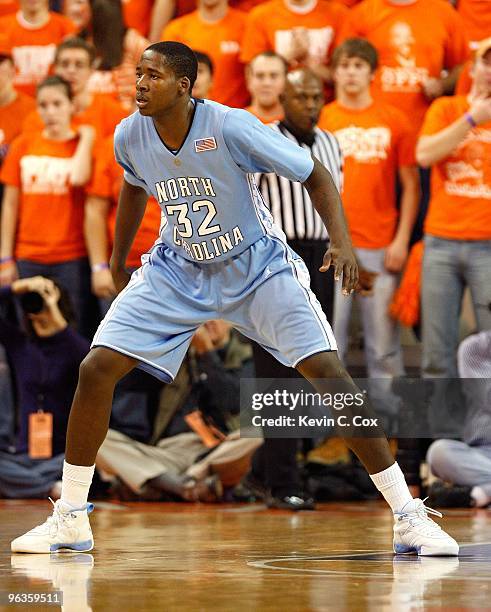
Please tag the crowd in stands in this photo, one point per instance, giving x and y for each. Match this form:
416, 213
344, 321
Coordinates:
394, 97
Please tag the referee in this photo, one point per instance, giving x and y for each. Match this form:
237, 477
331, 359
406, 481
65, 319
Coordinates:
274, 464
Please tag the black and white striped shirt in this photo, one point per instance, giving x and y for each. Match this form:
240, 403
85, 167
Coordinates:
288, 201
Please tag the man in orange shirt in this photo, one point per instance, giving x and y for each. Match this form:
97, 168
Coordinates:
304, 32
32, 35
456, 142
74, 62
13, 105
378, 148
216, 29
415, 40
266, 78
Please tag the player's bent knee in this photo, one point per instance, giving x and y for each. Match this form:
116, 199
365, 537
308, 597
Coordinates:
104, 365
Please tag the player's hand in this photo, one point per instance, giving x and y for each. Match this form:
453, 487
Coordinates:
103, 284
202, 341
87, 132
366, 282
396, 256
120, 278
299, 46
345, 266
33, 283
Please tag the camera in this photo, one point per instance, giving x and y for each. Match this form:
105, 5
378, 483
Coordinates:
32, 302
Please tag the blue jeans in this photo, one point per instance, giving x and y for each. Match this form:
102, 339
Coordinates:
448, 267
74, 276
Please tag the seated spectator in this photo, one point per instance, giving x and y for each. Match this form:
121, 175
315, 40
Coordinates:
465, 466
455, 142
204, 80
117, 54
100, 223
303, 32
217, 30
266, 78
74, 62
32, 35
45, 362
14, 105
44, 174
195, 430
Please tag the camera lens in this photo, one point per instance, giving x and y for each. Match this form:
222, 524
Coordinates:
31, 302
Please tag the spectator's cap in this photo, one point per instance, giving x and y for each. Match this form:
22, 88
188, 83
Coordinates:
483, 48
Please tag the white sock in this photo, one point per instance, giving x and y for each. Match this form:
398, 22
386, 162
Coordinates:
392, 484
480, 497
76, 484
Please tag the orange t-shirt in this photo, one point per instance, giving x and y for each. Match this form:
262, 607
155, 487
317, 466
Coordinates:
476, 17
272, 26
414, 42
221, 41
137, 14
104, 114
120, 81
7, 7
106, 183
51, 212
33, 48
263, 119
460, 203
464, 82
375, 142
11, 120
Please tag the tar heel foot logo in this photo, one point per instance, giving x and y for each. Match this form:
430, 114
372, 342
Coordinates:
205, 144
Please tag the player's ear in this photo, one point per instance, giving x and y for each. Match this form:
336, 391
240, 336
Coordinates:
184, 85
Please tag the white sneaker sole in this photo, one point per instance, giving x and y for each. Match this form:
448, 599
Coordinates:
438, 550
77, 547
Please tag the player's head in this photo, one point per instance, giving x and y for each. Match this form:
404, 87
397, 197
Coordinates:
204, 78
302, 100
54, 103
165, 75
266, 77
481, 69
74, 60
354, 63
7, 70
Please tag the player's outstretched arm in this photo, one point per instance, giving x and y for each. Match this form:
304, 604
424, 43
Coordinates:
131, 208
326, 200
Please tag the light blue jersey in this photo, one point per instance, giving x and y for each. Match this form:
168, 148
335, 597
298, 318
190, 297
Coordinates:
212, 207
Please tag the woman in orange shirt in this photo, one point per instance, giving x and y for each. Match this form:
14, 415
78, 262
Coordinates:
43, 203
118, 54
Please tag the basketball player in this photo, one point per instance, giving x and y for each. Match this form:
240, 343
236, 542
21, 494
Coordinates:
219, 256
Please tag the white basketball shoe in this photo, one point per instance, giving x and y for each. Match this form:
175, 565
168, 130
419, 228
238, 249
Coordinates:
63, 531
416, 532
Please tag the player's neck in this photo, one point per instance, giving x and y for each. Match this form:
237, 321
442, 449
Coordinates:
267, 113
37, 17
173, 126
59, 133
357, 101
7, 96
214, 13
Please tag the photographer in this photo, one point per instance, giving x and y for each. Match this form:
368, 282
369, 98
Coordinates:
44, 361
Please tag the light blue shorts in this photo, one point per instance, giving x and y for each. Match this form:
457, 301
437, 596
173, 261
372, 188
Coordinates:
264, 293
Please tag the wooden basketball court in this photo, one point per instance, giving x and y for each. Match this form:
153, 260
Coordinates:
244, 557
